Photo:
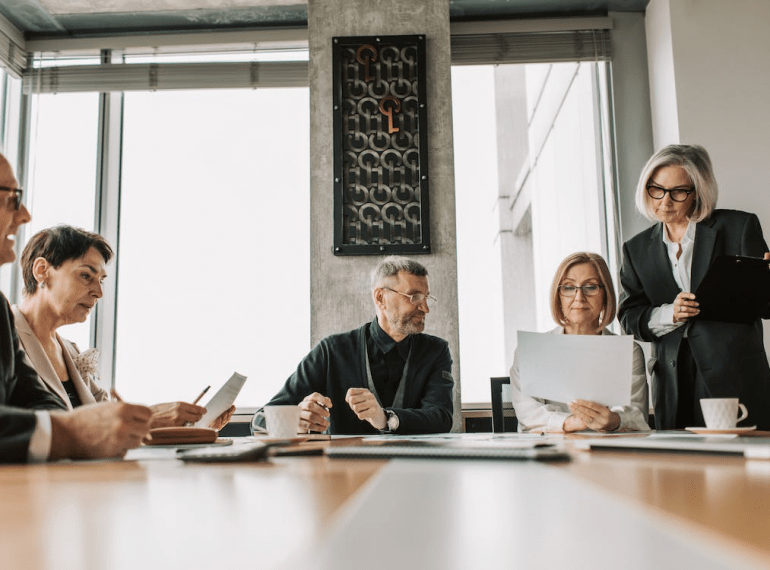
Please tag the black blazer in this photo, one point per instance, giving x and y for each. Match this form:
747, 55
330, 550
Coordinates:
730, 357
20, 388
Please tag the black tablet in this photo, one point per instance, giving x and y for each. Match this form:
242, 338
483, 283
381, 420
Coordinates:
735, 289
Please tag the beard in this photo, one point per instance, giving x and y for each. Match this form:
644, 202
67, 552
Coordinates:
404, 322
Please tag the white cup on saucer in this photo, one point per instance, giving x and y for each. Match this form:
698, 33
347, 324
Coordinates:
722, 413
281, 421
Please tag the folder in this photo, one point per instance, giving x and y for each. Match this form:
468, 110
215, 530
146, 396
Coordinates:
735, 289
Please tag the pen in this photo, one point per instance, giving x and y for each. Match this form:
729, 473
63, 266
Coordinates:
198, 399
115, 395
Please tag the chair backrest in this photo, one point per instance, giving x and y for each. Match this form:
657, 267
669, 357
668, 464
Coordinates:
499, 423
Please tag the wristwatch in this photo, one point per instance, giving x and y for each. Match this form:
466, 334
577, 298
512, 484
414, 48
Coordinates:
392, 421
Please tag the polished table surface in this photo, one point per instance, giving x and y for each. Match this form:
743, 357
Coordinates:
601, 509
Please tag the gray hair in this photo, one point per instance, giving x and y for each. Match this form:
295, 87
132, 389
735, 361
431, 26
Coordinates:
695, 161
393, 265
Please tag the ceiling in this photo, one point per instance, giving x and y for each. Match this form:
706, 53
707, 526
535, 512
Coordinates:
39, 19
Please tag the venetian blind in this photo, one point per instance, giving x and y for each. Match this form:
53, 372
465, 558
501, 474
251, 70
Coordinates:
532, 47
151, 77
13, 58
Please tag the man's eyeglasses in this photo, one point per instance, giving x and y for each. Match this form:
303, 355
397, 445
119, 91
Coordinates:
417, 298
677, 194
590, 290
15, 199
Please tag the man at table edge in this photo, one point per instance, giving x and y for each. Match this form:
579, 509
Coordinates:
34, 424
384, 377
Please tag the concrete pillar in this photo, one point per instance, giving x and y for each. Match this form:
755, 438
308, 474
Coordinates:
340, 296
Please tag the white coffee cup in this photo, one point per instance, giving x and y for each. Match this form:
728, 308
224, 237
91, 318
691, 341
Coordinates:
722, 413
281, 421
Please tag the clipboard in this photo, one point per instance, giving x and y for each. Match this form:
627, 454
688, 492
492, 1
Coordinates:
735, 289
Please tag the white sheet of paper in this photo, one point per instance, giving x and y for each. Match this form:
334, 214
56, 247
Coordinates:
222, 400
564, 367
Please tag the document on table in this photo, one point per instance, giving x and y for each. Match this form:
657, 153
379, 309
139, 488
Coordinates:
563, 367
222, 400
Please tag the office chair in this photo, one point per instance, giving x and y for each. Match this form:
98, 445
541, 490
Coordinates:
501, 422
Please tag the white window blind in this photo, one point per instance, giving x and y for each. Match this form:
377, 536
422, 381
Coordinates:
13, 58
531, 47
151, 77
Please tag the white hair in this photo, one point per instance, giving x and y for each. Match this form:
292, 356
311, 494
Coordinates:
695, 161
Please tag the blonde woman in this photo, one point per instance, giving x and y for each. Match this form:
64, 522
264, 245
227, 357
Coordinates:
582, 302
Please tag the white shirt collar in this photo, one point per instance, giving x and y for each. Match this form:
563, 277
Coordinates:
688, 238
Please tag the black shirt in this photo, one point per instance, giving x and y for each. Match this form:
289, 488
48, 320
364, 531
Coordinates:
386, 361
72, 394
338, 363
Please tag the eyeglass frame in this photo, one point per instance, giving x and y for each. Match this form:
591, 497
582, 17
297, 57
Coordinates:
424, 297
599, 287
670, 192
18, 192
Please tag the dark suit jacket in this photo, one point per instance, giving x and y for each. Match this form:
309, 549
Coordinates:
338, 362
20, 387
730, 357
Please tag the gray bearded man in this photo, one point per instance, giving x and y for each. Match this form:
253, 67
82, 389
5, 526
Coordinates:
384, 377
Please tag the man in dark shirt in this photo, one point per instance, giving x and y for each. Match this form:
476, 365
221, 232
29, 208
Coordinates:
384, 377
34, 424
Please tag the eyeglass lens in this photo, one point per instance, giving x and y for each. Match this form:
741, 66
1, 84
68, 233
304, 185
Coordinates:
15, 198
588, 290
677, 194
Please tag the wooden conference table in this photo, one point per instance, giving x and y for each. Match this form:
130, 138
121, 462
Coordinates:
604, 509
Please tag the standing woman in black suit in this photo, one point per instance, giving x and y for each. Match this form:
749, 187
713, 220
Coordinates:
663, 265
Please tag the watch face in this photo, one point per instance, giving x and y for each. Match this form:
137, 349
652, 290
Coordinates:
392, 421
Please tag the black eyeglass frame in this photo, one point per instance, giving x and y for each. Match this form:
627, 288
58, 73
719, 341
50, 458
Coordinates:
582, 288
18, 191
670, 192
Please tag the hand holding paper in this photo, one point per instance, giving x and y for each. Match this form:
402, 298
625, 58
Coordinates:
222, 400
565, 368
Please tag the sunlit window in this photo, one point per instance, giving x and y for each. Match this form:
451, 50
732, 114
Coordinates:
62, 172
214, 271
531, 190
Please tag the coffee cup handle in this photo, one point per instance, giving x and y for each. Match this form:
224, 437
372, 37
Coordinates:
744, 413
256, 428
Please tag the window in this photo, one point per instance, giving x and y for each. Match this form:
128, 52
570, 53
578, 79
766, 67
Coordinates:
214, 269
532, 187
206, 200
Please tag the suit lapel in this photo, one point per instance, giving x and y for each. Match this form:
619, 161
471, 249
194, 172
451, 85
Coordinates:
705, 238
660, 265
86, 397
38, 358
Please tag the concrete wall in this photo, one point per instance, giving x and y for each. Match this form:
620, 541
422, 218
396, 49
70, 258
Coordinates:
718, 94
339, 294
631, 105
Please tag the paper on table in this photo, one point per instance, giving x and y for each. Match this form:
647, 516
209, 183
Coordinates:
563, 367
222, 400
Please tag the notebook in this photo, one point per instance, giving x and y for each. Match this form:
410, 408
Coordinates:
749, 447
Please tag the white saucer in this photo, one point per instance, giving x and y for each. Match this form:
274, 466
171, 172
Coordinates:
736, 430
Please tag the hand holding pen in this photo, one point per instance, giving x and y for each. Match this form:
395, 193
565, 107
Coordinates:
314, 413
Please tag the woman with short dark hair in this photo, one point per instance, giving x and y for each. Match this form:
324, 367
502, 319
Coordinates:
63, 270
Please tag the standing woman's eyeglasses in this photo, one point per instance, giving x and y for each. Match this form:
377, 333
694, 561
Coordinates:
677, 194
15, 199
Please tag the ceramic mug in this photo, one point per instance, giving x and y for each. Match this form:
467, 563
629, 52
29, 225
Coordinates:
281, 421
722, 413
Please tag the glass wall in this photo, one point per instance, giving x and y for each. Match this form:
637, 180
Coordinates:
62, 172
530, 178
214, 269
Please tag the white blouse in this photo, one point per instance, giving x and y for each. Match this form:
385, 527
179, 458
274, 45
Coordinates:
534, 414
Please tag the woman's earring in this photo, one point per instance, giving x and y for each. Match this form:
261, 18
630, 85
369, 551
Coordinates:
42, 284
